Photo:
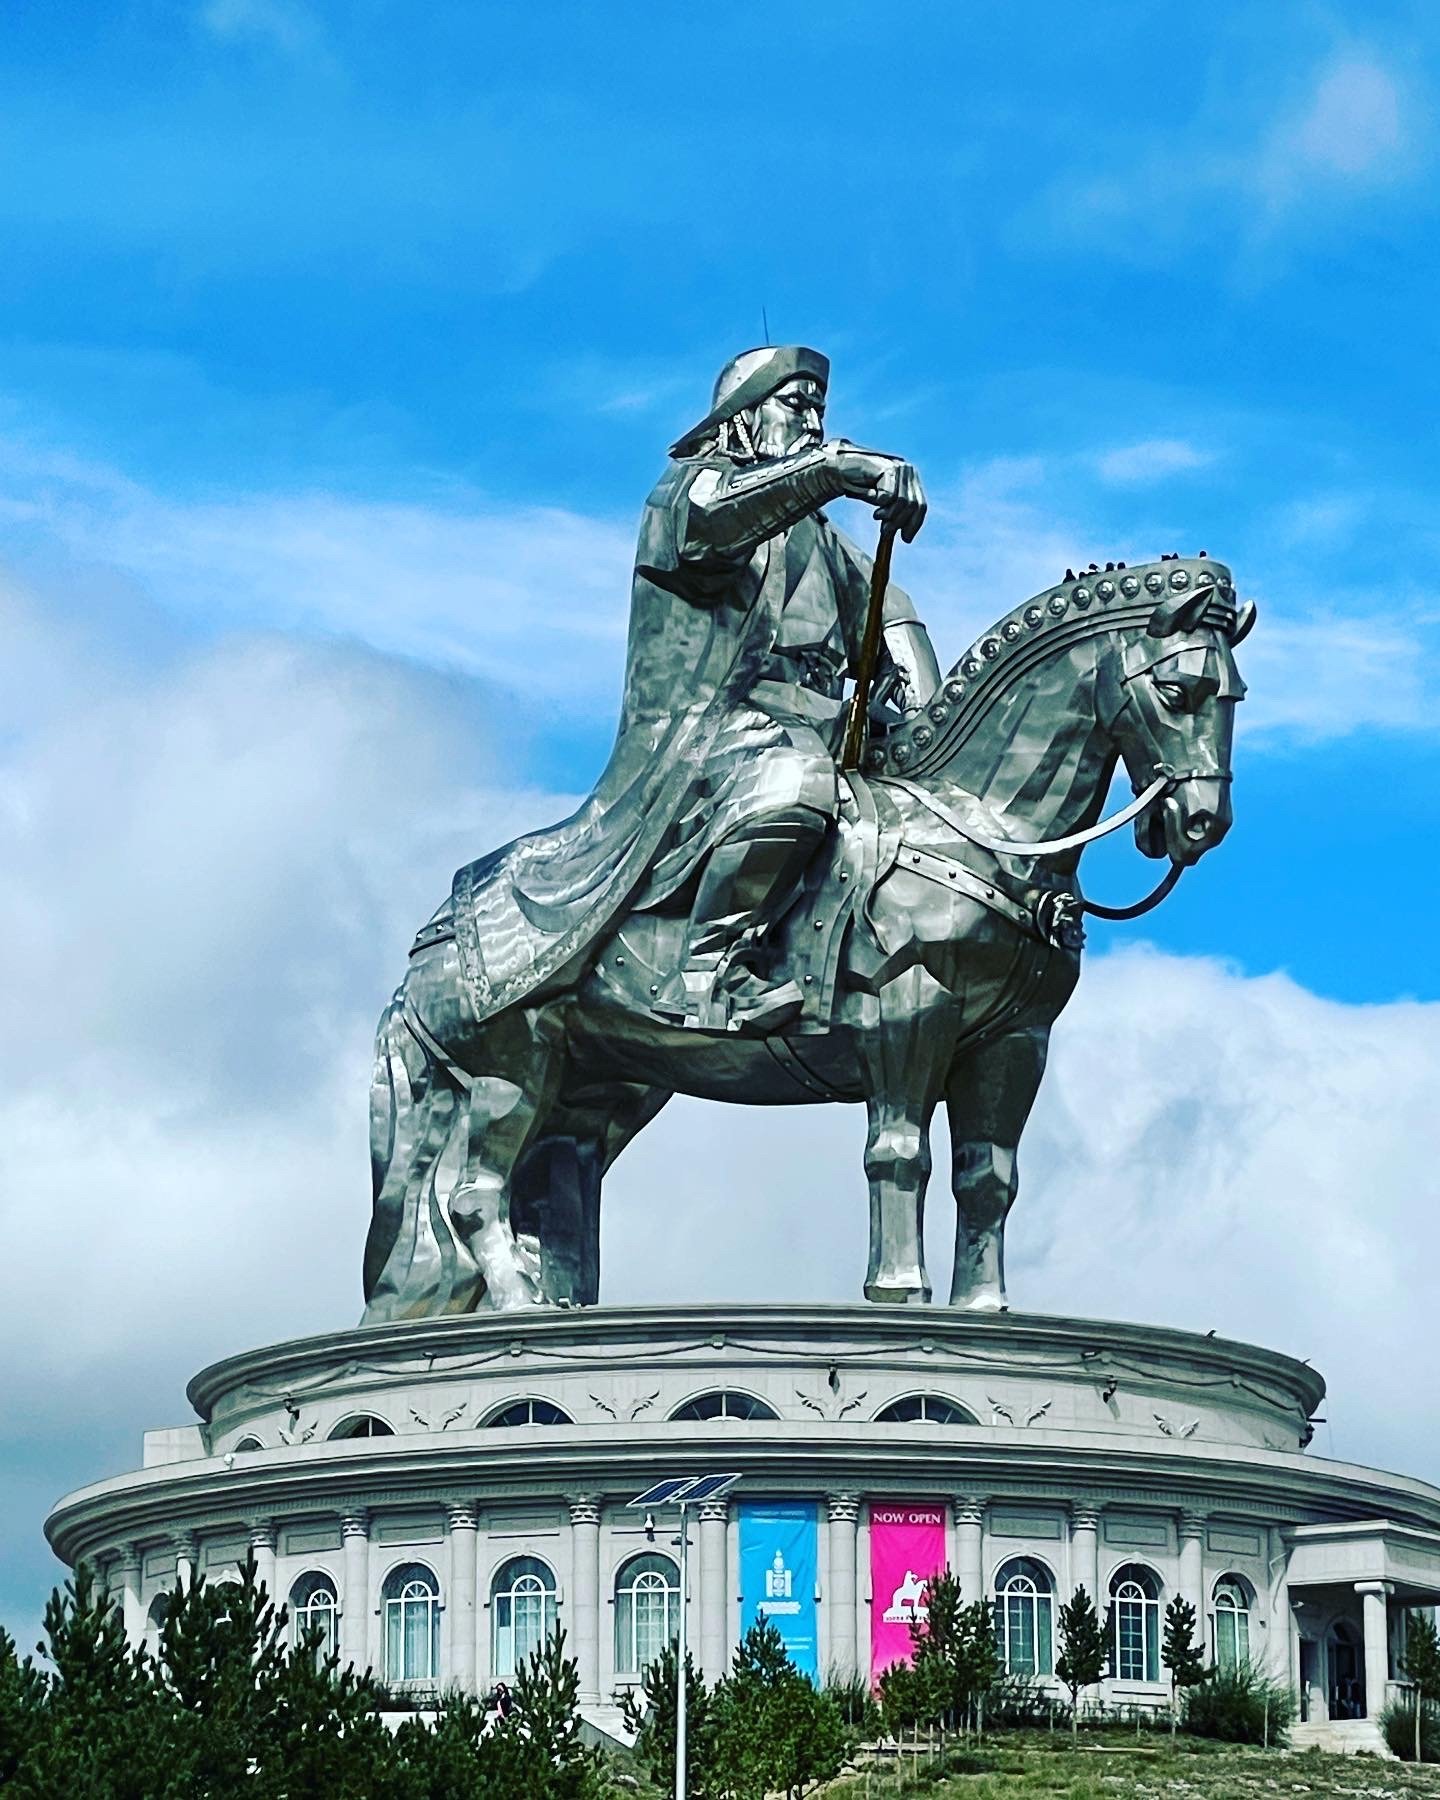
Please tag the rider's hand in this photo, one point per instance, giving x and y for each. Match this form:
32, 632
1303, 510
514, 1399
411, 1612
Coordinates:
893, 484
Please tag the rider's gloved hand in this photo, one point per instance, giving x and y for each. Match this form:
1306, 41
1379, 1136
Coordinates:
893, 484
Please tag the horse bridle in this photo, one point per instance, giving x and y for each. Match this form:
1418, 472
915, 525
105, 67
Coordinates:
1164, 783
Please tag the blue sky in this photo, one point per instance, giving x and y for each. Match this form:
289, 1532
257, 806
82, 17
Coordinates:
339, 345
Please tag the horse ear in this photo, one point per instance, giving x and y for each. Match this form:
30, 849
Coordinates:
1178, 612
1244, 621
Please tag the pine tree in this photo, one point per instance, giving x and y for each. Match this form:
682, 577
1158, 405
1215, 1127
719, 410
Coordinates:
1422, 1665
651, 1716
1180, 1653
772, 1727
22, 1700
101, 1726
1081, 1661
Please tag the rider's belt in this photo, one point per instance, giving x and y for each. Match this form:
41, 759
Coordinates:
1050, 914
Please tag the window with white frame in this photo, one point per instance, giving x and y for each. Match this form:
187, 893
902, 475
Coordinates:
725, 1404
647, 1611
362, 1425
522, 1610
931, 1409
1234, 1598
1135, 1610
410, 1604
530, 1412
1024, 1617
315, 1609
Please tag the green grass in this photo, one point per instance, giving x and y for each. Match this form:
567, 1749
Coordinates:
1112, 1766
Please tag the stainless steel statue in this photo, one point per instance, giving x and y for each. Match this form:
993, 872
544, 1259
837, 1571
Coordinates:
727, 916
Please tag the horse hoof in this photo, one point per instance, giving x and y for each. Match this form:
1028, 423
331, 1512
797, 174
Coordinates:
884, 1293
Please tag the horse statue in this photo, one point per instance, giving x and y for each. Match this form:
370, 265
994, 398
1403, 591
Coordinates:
937, 939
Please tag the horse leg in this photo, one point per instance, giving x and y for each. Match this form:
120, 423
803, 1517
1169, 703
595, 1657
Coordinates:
903, 1079
415, 1266
507, 1105
989, 1094
556, 1186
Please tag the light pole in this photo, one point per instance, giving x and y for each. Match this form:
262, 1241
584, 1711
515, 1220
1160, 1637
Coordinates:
682, 1491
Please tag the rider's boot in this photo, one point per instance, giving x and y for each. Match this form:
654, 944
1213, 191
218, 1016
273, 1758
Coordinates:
749, 878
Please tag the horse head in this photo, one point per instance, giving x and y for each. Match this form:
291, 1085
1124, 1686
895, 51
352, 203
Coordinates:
1127, 663
1167, 694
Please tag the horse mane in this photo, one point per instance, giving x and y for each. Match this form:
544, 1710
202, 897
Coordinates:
1081, 606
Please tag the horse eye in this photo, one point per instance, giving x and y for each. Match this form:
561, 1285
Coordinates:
1172, 694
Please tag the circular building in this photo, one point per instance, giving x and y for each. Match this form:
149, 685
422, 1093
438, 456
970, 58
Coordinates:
436, 1496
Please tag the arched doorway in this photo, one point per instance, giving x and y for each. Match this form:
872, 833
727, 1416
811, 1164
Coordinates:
1345, 1655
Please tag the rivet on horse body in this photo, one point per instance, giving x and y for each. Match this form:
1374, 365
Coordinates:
654, 987
809, 981
619, 962
819, 924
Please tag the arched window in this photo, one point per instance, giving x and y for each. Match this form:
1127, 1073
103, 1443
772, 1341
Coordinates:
1234, 1597
530, 1412
725, 1405
411, 1608
1135, 1607
248, 1443
154, 1621
315, 1607
933, 1409
522, 1606
362, 1425
1024, 1605
647, 1611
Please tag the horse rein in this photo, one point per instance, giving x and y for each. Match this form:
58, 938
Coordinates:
1163, 783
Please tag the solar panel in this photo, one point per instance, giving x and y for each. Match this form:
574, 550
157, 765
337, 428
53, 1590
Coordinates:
708, 1486
664, 1492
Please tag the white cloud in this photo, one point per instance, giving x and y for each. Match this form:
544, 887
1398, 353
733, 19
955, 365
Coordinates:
1132, 465
1352, 129
456, 581
282, 24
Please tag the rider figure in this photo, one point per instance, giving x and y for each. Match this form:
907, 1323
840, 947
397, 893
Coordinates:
734, 531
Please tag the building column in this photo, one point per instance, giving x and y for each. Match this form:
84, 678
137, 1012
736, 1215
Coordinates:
844, 1511
1192, 1568
1085, 1550
460, 1603
1375, 1596
585, 1550
355, 1601
969, 1548
714, 1520
262, 1548
1280, 1660
127, 1567
185, 1557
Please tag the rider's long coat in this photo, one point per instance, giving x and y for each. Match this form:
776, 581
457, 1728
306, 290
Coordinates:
700, 652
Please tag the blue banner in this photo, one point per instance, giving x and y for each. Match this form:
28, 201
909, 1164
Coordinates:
779, 1548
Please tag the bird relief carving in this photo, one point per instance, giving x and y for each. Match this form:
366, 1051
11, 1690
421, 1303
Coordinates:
443, 1422
631, 1408
1171, 1429
999, 1412
834, 1406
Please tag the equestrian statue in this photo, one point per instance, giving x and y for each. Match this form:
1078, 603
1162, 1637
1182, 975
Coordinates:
779, 896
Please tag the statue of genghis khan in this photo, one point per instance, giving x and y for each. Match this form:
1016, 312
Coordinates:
747, 613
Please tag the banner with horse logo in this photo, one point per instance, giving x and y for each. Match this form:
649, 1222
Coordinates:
778, 1560
907, 1547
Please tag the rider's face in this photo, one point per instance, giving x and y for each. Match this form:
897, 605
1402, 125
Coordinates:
790, 419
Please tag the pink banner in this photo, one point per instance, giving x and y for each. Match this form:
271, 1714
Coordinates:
907, 1547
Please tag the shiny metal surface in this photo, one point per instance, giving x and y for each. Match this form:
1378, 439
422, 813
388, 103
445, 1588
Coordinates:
726, 917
